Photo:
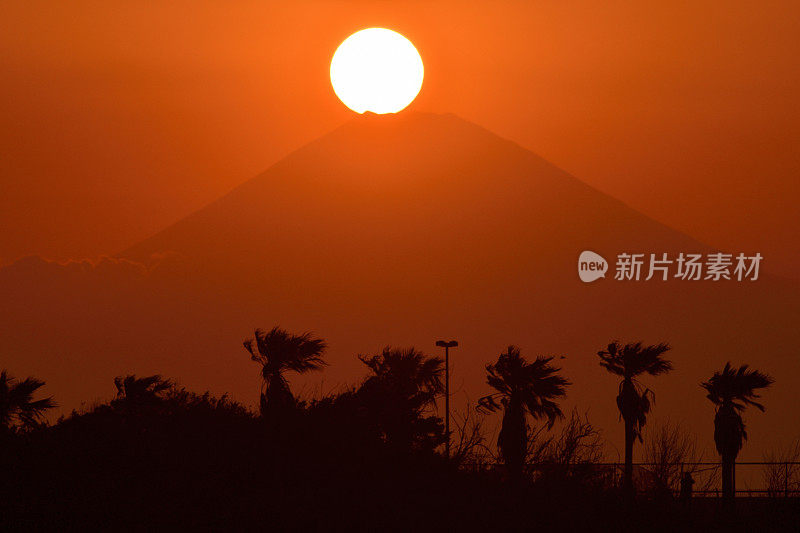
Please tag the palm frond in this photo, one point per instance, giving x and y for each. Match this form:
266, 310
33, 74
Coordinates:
278, 351
737, 386
407, 368
535, 385
633, 359
17, 403
489, 404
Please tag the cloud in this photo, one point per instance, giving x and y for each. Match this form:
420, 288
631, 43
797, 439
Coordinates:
35, 269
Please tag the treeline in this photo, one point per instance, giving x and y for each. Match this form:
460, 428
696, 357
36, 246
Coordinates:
361, 454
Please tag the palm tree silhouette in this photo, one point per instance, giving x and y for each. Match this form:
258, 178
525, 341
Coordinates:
732, 390
278, 351
633, 400
523, 389
136, 393
17, 405
404, 382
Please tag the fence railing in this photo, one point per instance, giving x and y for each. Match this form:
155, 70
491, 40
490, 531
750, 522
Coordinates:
754, 479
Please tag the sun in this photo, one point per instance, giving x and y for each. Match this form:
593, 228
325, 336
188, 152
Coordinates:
376, 70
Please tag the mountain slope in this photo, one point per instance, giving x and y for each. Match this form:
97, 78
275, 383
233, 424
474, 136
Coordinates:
402, 230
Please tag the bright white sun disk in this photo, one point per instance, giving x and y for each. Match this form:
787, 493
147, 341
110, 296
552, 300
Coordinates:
376, 70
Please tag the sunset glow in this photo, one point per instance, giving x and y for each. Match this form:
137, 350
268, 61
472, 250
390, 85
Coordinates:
253, 277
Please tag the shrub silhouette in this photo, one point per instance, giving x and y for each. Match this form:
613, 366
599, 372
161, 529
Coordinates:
403, 385
670, 449
184, 461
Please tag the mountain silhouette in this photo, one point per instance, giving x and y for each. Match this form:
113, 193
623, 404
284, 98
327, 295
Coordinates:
401, 229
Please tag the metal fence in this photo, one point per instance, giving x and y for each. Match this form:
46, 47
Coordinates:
763, 479
754, 479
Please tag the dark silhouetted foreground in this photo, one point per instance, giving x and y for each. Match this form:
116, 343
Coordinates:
160, 458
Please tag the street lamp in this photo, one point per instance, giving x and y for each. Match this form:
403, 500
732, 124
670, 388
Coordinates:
447, 345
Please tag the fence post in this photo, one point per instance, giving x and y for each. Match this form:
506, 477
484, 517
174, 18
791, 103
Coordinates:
786, 479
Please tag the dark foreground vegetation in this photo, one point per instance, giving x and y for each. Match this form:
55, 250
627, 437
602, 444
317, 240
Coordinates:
159, 457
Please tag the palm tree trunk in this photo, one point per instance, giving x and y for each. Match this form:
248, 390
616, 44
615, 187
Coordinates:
728, 478
513, 440
627, 481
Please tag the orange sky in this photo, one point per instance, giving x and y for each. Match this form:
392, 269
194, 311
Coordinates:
117, 119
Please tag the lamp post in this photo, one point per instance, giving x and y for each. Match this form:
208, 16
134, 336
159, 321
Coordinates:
447, 345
